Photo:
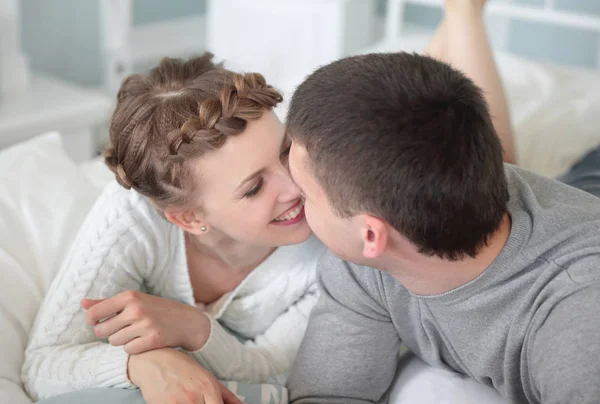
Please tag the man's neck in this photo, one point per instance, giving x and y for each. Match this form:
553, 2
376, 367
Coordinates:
424, 275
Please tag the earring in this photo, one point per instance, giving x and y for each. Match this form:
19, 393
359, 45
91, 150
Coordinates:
203, 228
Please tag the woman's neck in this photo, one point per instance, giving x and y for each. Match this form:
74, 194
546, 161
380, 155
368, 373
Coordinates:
218, 265
231, 255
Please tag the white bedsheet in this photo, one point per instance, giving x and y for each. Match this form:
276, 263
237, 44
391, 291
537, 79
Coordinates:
44, 198
419, 383
555, 112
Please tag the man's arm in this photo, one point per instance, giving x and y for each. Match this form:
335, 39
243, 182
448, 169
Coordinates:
565, 357
350, 351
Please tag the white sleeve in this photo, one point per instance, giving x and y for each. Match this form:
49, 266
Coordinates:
63, 352
268, 355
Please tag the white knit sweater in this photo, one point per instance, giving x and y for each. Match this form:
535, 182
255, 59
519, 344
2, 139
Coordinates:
125, 244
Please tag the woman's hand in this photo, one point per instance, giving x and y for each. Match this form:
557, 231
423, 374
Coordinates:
143, 322
170, 376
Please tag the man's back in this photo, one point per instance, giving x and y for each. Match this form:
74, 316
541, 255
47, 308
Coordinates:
527, 326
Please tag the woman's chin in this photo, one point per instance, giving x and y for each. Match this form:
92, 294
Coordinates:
296, 234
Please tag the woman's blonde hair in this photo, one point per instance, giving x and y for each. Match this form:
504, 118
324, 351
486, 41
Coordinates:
175, 113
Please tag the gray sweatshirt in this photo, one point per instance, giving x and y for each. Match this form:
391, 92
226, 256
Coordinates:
528, 326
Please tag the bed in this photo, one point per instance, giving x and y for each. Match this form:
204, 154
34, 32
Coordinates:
44, 197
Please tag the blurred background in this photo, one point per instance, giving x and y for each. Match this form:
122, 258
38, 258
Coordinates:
61, 61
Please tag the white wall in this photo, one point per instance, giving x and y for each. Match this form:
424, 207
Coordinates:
62, 37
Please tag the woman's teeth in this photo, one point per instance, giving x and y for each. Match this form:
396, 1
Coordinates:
292, 214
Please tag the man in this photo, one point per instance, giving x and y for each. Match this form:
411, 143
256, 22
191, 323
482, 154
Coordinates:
475, 265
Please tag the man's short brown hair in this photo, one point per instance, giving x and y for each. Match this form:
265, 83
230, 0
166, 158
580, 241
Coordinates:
408, 139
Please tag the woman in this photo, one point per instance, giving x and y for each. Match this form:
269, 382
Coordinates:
202, 224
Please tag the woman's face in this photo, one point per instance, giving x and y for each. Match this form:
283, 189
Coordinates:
246, 191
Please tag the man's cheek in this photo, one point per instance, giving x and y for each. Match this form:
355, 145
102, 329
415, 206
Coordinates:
308, 216
313, 221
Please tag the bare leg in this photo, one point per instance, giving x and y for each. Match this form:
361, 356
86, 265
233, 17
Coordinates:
462, 42
438, 46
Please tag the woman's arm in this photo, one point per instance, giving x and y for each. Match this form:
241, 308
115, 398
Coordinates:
63, 353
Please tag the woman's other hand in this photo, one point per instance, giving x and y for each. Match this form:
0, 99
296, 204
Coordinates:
142, 322
170, 376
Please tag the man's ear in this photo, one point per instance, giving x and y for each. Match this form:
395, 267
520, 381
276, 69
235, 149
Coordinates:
375, 234
188, 220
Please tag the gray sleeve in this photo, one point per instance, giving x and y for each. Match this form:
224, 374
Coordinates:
350, 351
565, 358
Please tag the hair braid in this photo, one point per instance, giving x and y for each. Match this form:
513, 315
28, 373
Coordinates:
175, 113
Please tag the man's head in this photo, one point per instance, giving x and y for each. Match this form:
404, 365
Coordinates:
396, 144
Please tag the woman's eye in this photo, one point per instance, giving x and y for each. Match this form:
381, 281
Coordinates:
255, 189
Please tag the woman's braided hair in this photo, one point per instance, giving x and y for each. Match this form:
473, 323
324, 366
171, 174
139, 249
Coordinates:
175, 113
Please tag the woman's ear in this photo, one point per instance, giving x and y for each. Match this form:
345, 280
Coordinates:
188, 220
375, 236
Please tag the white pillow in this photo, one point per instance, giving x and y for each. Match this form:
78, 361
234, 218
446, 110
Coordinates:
44, 198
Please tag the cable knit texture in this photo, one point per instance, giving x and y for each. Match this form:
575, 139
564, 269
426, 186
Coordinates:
125, 244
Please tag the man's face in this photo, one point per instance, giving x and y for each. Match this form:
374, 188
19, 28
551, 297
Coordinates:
341, 236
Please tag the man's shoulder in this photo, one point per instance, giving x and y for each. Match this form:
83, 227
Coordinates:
565, 345
529, 189
576, 309
562, 220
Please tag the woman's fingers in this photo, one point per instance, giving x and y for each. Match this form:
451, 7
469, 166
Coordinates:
112, 326
124, 336
105, 308
141, 344
88, 303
